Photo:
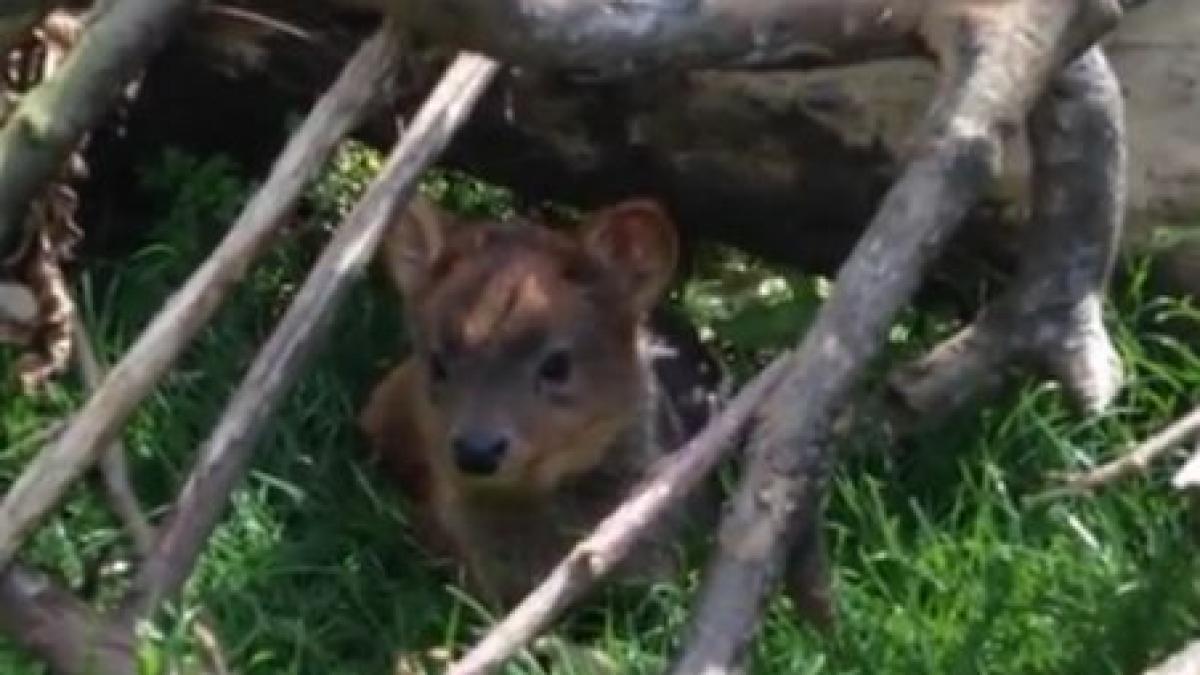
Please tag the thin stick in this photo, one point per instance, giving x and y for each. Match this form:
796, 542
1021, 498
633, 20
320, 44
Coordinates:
366, 83
1133, 461
114, 467
54, 116
223, 458
210, 645
594, 557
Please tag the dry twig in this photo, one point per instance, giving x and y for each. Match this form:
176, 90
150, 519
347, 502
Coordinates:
1133, 461
365, 84
53, 117
210, 645
223, 458
50, 232
53, 234
114, 467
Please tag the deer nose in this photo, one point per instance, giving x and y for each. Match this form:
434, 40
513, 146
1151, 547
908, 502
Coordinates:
479, 453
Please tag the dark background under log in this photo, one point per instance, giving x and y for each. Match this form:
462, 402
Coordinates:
777, 183
787, 171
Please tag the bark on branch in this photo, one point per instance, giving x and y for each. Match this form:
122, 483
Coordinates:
991, 76
114, 466
52, 119
620, 38
1052, 316
611, 39
223, 458
365, 84
1133, 461
53, 624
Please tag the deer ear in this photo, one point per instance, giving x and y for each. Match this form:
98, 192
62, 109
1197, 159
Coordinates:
638, 241
414, 242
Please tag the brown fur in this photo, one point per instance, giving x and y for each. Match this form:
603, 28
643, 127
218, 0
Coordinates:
490, 305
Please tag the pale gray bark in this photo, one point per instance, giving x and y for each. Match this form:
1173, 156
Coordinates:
52, 118
990, 77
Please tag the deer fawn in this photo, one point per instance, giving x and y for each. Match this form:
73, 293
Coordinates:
530, 406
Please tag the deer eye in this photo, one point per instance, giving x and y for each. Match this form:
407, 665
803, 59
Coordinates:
555, 369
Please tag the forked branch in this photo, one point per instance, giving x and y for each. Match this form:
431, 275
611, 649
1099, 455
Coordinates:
1052, 315
992, 75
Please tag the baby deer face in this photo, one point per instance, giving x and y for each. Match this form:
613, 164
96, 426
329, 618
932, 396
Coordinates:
526, 338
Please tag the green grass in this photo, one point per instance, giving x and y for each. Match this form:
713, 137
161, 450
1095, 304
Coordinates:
942, 565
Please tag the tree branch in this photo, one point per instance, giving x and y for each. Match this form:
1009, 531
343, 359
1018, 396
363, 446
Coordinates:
223, 458
1052, 315
994, 69
114, 467
53, 624
1133, 461
620, 38
53, 117
366, 82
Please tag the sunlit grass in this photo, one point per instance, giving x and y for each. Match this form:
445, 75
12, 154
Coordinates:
942, 564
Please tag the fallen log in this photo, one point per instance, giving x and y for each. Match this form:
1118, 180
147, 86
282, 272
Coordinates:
789, 166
